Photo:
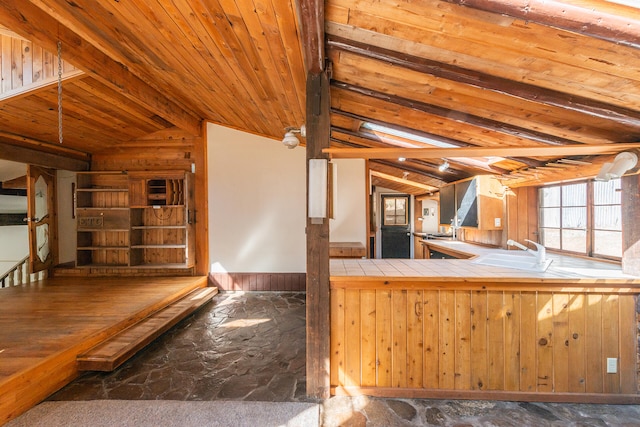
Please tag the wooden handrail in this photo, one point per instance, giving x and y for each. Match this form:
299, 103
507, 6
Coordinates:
17, 274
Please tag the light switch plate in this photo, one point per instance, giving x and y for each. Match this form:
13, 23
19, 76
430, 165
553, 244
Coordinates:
612, 365
497, 222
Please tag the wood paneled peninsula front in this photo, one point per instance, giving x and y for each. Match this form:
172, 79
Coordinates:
452, 328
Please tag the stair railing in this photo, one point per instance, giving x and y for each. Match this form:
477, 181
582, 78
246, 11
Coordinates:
17, 275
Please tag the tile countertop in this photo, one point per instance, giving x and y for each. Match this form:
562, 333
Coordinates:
562, 267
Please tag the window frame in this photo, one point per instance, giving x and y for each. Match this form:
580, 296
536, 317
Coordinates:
590, 219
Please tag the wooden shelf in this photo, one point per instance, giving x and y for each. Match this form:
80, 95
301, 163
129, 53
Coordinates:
159, 246
159, 227
98, 248
96, 190
135, 220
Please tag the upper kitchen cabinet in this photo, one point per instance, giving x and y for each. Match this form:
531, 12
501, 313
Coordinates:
476, 203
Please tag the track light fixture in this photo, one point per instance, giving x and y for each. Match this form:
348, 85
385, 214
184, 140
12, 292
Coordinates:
290, 140
444, 166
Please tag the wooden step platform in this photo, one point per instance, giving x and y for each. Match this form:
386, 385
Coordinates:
113, 352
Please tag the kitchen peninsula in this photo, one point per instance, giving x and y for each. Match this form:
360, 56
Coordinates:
453, 328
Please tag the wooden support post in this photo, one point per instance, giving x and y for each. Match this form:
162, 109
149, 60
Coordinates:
630, 230
318, 326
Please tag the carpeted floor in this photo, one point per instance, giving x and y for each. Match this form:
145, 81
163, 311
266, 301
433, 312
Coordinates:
154, 413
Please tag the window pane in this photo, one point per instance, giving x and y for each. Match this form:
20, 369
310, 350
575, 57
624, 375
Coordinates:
574, 240
550, 197
574, 218
550, 217
607, 243
606, 193
607, 218
574, 195
550, 238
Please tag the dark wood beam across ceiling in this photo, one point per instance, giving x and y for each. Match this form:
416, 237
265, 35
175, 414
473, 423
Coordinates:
458, 116
589, 107
589, 20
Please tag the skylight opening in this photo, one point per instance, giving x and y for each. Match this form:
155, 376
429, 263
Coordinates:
406, 135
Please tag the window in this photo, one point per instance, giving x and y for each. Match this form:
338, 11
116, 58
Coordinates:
582, 218
395, 211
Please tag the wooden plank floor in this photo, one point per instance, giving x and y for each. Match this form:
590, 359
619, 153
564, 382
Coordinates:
45, 325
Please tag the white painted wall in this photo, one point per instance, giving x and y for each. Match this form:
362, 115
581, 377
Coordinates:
257, 203
67, 237
350, 209
14, 246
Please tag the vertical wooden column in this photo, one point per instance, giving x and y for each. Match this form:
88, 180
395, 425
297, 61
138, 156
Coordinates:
630, 230
202, 203
318, 338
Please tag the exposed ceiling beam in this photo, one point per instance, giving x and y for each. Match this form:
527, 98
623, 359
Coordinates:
437, 153
403, 181
458, 116
406, 166
39, 158
39, 27
57, 149
485, 81
591, 20
311, 17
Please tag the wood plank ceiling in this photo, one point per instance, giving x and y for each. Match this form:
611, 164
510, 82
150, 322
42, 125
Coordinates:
486, 73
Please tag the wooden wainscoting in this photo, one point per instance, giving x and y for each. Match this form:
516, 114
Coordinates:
258, 282
508, 345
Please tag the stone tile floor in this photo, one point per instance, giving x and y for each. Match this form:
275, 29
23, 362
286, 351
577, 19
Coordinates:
251, 346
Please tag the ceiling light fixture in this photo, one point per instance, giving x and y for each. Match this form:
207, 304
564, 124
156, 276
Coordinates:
290, 140
402, 159
621, 164
444, 166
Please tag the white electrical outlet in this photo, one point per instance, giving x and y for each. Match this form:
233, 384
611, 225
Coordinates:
497, 222
612, 365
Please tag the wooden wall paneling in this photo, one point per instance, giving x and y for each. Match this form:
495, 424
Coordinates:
368, 360
352, 346
610, 341
528, 342
447, 340
629, 335
576, 338
594, 349
462, 370
399, 338
337, 337
431, 331
415, 336
496, 340
544, 338
512, 331
384, 338
561, 342
479, 344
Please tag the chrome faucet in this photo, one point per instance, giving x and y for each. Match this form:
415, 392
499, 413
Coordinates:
540, 253
454, 228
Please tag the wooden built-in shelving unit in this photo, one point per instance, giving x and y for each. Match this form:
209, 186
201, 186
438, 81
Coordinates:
136, 219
